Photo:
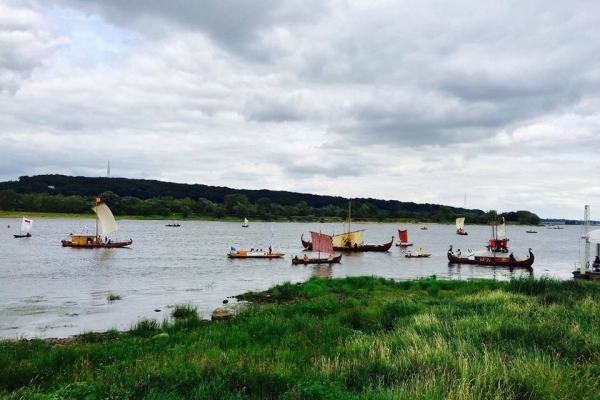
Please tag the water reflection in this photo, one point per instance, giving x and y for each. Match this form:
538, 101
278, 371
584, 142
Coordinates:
322, 270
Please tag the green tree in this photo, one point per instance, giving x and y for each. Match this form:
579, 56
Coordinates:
236, 204
263, 208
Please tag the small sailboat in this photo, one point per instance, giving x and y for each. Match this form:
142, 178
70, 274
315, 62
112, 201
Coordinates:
403, 235
499, 240
25, 228
322, 244
245, 224
105, 223
460, 226
418, 254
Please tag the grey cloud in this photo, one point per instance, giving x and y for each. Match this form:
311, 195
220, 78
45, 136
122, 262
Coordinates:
26, 39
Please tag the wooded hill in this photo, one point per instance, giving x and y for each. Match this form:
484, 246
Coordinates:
152, 197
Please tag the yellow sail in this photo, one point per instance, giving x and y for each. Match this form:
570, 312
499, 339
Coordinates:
348, 239
107, 220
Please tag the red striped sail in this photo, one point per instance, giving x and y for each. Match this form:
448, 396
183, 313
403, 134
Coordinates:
321, 243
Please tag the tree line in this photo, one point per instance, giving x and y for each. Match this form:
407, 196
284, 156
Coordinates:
237, 205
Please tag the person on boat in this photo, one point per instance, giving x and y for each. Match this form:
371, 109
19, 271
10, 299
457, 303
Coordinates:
296, 257
305, 257
471, 255
597, 260
331, 257
270, 250
458, 253
512, 257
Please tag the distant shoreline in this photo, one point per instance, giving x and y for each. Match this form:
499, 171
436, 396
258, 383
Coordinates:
33, 215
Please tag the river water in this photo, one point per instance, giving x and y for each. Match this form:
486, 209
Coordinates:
50, 291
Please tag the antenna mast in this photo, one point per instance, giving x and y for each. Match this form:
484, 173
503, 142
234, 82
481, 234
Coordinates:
108, 170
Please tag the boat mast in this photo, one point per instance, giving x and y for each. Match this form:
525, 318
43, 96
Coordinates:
494, 234
96, 212
349, 218
585, 236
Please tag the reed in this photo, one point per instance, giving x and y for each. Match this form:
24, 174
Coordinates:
183, 311
351, 338
113, 297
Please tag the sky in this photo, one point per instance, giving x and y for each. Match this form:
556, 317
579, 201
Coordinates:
478, 104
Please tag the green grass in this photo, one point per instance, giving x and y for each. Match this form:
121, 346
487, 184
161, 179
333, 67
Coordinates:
351, 338
182, 311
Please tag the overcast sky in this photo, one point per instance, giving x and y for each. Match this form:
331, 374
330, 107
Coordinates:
492, 105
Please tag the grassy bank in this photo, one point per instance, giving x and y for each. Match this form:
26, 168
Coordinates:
352, 338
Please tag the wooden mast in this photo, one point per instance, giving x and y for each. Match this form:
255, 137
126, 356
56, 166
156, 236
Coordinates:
349, 218
96, 212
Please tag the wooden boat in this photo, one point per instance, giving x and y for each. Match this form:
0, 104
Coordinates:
499, 240
173, 225
245, 224
253, 254
26, 224
333, 260
531, 231
320, 243
418, 254
502, 261
421, 255
351, 241
403, 235
356, 247
105, 224
460, 226
424, 228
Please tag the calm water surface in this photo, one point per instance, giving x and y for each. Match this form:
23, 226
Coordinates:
50, 291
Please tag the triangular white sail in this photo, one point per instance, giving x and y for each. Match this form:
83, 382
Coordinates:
26, 225
106, 217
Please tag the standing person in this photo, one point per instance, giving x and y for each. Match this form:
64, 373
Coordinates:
269, 249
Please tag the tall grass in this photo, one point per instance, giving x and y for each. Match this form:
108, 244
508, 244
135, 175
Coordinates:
346, 338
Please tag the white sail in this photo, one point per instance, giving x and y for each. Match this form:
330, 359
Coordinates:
460, 223
106, 217
26, 225
501, 231
342, 239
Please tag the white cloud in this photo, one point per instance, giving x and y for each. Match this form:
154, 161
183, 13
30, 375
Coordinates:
415, 101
